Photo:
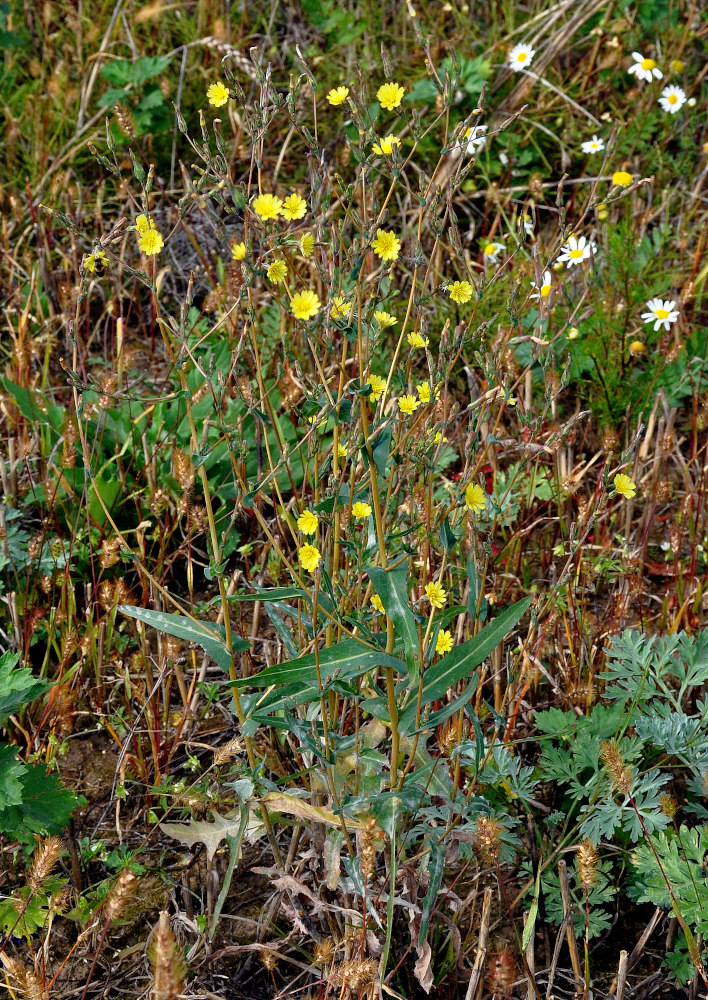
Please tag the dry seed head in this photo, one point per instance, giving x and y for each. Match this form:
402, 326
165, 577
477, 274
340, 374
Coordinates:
355, 974
487, 839
662, 491
44, 861
168, 967
125, 120
28, 985
614, 764
184, 470
269, 958
229, 750
110, 552
501, 973
367, 849
119, 895
160, 501
324, 952
587, 863
668, 805
610, 440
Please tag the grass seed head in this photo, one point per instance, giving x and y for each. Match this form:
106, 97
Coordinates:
587, 863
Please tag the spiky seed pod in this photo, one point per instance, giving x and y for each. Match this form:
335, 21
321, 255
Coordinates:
27, 983
612, 758
501, 972
324, 952
168, 967
587, 864
229, 750
355, 974
487, 838
125, 120
269, 958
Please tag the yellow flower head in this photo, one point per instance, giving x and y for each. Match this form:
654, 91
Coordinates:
278, 271
460, 291
387, 245
436, 595
601, 210
96, 259
361, 511
378, 385
150, 242
238, 251
309, 557
408, 404
384, 319
416, 339
294, 207
307, 522
267, 206
624, 486
305, 305
377, 604
340, 308
307, 244
385, 146
439, 437
424, 392
637, 348
338, 95
341, 451
218, 94
475, 498
389, 95
143, 223
621, 178
444, 642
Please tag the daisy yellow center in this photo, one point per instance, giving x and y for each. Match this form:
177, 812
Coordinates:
576, 254
545, 291
522, 57
661, 313
490, 249
648, 64
673, 99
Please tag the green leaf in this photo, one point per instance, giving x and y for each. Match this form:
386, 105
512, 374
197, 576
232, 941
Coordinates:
18, 687
447, 535
108, 491
210, 637
533, 913
273, 594
52, 415
391, 586
436, 867
346, 658
462, 660
43, 806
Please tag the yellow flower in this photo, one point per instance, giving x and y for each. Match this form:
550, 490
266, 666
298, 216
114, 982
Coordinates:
305, 305
417, 340
573, 333
384, 319
439, 437
408, 404
278, 271
361, 511
475, 498
307, 244
387, 245
444, 642
294, 207
143, 223
385, 146
341, 451
340, 308
424, 392
624, 486
218, 94
621, 178
150, 242
378, 386
338, 95
601, 210
389, 95
96, 261
460, 291
267, 206
637, 348
307, 522
436, 595
677, 65
309, 557
238, 251
377, 604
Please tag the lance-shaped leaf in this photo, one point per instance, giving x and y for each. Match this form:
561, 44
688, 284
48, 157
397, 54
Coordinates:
462, 660
345, 659
391, 587
211, 637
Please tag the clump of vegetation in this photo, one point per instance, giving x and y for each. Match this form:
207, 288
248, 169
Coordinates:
352, 542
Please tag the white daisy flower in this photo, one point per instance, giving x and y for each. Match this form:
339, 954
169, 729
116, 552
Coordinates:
492, 251
593, 145
527, 222
644, 69
660, 313
576, 251
521, 57
672, 98
544, 290
474, 139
